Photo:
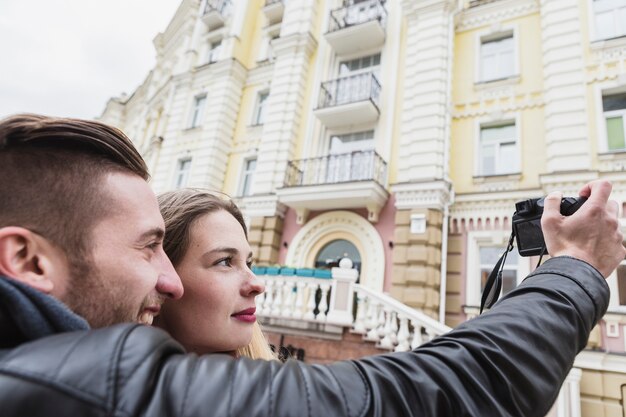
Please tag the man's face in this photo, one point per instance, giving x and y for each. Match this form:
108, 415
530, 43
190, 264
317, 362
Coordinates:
128, 275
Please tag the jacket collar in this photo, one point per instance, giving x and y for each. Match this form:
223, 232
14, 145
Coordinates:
27, 314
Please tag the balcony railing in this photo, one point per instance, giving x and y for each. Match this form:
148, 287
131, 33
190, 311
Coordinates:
333, 300
334, 169
350, 89
476, 3
220, 6
356, 14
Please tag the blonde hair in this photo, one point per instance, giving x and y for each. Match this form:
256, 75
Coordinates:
180, 210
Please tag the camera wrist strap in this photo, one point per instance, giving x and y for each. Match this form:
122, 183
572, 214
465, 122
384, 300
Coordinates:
491, 293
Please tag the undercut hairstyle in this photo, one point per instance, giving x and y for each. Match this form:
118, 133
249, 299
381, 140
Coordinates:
52, 171
181, 210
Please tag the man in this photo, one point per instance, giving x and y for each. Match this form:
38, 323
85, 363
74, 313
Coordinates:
80, 228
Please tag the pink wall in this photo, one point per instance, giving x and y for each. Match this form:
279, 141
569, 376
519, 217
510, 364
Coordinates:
385, 228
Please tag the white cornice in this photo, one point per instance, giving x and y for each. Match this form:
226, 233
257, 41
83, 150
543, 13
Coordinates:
260, 74
261, 206
434, 195
601, 361
495, 12
411, 8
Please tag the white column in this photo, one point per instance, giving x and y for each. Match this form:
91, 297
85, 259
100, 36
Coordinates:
567, 142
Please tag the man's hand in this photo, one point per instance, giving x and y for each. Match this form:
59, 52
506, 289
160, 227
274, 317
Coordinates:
591, 234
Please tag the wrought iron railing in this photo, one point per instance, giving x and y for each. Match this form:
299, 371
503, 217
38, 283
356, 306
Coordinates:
350, 89
356, 14
334, 169
220, 6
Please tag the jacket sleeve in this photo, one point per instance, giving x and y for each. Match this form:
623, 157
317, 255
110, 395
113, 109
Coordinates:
510, 361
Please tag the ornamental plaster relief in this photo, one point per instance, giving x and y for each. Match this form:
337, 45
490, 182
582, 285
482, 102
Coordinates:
373, 258
503, 100
495, 12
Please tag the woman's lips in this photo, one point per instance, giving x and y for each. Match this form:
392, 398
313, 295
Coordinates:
247, 315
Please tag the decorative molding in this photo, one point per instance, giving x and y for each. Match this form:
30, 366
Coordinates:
601, 361
261, 206
373, 256
434, 195
503, 100
413, 8
495, 12
488, 210
291, 44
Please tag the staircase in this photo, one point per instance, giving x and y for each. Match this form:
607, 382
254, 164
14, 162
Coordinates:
331, 304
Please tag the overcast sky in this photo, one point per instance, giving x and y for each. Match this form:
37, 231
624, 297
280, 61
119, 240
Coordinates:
68, 57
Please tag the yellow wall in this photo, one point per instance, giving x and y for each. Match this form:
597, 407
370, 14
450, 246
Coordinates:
475, 103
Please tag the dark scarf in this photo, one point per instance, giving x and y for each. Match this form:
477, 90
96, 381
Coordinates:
27, 314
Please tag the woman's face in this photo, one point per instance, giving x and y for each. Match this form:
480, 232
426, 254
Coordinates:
217, 310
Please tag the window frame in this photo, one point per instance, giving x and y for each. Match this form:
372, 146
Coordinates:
497, 32
247, 175
196, 115
495, 123
180, 173
601, 90
486, 238
594, 36
260, 108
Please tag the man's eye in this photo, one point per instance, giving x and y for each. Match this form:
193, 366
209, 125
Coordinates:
154, 246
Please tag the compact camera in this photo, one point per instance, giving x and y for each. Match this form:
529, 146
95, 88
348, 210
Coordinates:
527, 223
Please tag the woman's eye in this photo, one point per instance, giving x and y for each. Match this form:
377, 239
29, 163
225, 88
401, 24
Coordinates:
249, 264
224, 262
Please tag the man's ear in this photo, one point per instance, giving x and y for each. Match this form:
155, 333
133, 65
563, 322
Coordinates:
28, 258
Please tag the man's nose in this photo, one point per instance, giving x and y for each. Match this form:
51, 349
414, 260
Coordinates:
169, 283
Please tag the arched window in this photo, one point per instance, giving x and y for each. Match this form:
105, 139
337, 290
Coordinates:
330, 255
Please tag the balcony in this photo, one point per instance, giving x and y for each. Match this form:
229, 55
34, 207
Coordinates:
350, 100
215, 13
343, 181
273, 11
357, 27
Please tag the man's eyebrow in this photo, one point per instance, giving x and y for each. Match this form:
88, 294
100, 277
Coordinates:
157, 233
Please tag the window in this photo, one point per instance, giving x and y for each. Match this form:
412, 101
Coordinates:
484, 248
247, 177
333, 252
356, 141
261, 108
214, 52
609, 18
489, 256
359, 65
614, 107
351, 157
197, 111
497, 57
182, 173
498, 150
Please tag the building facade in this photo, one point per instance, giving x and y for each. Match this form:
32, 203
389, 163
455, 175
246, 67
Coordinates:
398, 133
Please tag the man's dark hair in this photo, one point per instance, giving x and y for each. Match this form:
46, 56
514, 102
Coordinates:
52, 171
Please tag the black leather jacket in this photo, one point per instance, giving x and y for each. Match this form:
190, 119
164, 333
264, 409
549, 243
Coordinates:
510, 361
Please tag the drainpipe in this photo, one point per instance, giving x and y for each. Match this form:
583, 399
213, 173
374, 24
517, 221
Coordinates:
444, 264
446, 155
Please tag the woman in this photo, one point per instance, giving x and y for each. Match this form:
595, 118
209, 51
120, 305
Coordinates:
207, 241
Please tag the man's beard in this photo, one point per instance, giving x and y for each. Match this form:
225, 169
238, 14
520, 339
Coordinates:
101, 304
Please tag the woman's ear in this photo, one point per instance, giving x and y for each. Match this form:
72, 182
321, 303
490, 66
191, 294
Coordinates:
28, 258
